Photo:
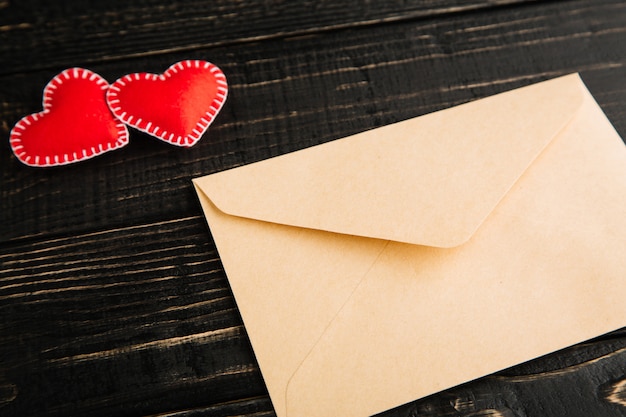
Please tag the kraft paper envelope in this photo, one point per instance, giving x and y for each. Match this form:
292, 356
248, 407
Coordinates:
389, 265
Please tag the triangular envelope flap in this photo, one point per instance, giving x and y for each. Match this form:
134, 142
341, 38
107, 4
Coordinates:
431, 180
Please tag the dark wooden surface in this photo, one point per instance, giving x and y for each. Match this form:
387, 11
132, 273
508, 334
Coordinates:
113, 300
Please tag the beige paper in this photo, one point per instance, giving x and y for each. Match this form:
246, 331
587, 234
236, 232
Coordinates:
386, 266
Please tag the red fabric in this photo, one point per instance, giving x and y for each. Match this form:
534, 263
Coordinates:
75, 123
177, 106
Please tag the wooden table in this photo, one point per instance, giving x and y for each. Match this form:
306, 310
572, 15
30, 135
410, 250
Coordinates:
113, 301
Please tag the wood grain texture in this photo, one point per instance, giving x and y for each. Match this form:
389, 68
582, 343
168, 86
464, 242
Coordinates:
113, 300
121, 320
89, 32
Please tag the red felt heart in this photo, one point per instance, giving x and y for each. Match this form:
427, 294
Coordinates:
177, 106
75, 123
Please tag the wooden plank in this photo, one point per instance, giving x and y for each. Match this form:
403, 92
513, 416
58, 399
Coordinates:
304, 91
140, 320
36, 34
255, 407
135, 318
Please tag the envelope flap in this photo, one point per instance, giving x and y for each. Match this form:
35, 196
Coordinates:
431, 180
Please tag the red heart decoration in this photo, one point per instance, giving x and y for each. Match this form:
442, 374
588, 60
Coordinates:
177, 106
75, 123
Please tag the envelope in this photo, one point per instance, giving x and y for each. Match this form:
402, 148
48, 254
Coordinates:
386, 266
